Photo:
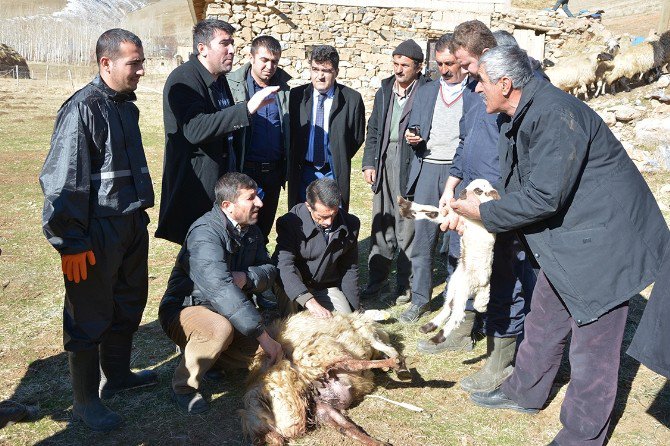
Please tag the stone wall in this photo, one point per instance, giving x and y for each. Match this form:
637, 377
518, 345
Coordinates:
364, 31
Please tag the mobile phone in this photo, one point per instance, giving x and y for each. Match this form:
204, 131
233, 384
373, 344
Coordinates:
414, 130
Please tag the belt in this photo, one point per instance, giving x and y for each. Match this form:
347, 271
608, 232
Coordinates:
262, 167
325, 168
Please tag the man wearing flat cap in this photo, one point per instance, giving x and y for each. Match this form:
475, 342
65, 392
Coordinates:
386, 161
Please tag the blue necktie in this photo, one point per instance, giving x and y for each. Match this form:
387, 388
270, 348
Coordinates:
319, 157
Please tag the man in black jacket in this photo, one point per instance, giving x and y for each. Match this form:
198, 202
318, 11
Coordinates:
327, 128
207, 309
386, 162
592, 224
96, 186
200, 122
317, 252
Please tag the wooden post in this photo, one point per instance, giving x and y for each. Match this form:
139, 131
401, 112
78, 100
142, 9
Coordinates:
46, 75
16, 69
664, 24
69, 75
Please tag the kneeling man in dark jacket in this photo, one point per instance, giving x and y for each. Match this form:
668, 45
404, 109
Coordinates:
317, 252
207, 309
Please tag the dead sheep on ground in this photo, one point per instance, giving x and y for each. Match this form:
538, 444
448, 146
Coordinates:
472, 277
327, 367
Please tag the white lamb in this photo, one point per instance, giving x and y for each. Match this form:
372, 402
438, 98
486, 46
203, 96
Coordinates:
473, 274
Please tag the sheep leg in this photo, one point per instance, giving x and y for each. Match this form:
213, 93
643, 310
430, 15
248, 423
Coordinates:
455, 282
332, 417
357, 365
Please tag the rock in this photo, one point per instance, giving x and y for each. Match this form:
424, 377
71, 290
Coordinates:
665, 189
608, 117
626, 113
656, 130
663, 81
5, 284
663, 154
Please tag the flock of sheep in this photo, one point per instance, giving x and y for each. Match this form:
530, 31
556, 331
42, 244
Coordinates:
613, 65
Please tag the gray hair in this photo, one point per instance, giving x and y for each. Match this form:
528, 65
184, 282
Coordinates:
229, 186
324, 191
504, 38
509, 61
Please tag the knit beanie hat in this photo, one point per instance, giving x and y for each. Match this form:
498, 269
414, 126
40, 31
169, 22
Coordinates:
410, 49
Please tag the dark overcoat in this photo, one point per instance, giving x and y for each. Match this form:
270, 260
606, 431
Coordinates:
587, 214
346, 133
377, 135
196, 147
306, 260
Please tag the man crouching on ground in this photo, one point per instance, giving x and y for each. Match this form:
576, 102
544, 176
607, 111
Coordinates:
207, 310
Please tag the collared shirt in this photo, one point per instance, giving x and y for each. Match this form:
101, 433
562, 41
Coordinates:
222, 101
266, 138
327, 104
402, 98
240, 230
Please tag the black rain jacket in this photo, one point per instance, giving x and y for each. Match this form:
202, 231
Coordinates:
96, 166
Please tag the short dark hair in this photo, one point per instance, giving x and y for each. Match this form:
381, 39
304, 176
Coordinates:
228, 187
268, 42
109, 43
324, 191
325, 53
444, 42
204, 30
474, 36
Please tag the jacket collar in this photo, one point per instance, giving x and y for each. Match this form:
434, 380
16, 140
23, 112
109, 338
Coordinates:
528, 93
225, 227
202, 71
110, 93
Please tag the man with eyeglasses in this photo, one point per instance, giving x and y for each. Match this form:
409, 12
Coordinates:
327, 128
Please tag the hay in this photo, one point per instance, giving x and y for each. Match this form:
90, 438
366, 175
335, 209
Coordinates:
9, 60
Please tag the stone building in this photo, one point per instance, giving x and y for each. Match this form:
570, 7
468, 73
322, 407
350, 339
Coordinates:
364, 31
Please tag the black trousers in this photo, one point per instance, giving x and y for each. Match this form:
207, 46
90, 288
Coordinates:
594, 361
115, 293
271, 181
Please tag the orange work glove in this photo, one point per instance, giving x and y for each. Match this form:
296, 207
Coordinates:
74, 265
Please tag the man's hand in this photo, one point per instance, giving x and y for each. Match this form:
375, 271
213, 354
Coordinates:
453, 223
369, 175
74, 265
445, 200
239, 279
271, 347
261, 99
317, 310
467, 208
412, 139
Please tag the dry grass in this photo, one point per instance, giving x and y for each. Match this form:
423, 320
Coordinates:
34, 366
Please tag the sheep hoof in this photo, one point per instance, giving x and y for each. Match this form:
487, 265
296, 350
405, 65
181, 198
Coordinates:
427, 328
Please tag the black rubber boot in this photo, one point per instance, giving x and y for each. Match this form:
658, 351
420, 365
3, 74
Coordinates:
115, 365
497, 369
85, 372
460, 339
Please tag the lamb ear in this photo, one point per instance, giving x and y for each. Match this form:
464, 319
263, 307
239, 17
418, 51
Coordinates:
493, 194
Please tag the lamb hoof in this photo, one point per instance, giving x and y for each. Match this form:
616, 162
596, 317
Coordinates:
480, 308
427, 328
438, 338
403, 374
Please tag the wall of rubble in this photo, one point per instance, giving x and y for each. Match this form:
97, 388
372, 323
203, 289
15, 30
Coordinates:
364, 31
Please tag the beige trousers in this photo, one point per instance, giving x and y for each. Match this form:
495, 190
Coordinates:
207, 340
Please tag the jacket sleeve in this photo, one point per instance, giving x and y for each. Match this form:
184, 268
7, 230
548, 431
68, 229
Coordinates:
348, 266
263, 273
65, 181
372, 135
287, 251
199, 126
358, 130
557, 155
210, 274
416, 116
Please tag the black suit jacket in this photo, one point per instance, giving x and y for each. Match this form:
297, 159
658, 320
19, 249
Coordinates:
196, 147
346, 133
